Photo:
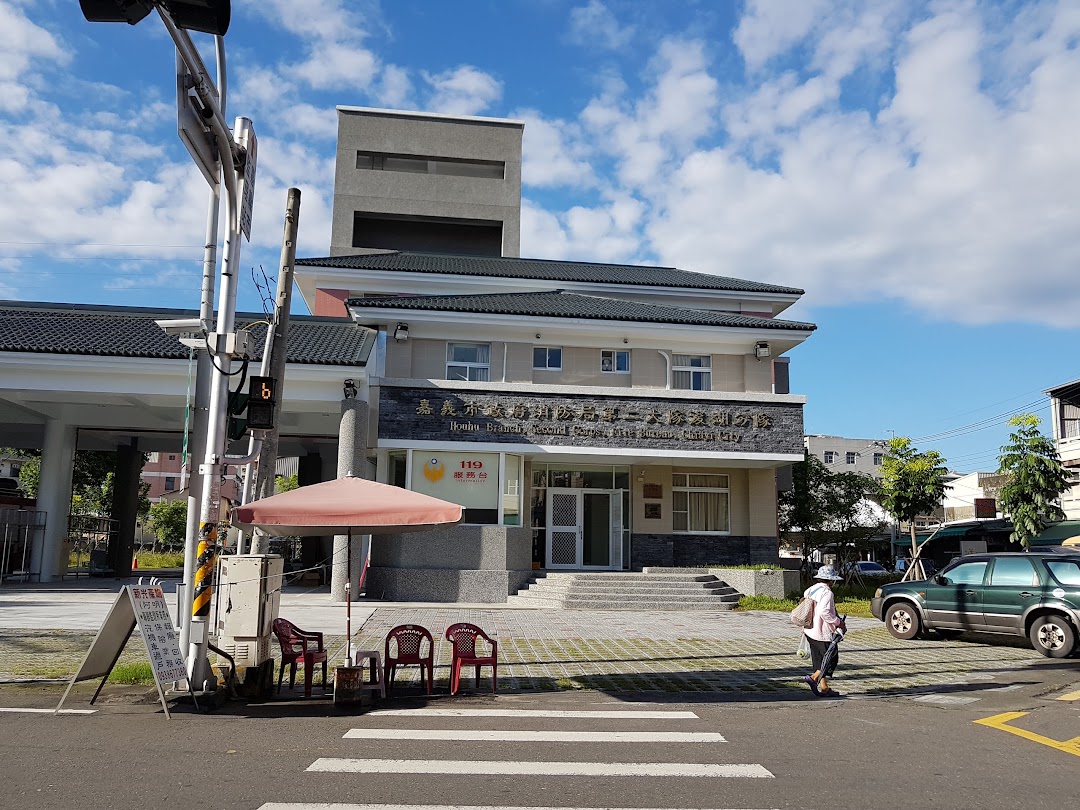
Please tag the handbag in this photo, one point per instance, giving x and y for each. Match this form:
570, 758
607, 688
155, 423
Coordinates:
803, 614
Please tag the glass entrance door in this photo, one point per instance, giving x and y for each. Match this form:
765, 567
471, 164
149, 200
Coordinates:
584, 528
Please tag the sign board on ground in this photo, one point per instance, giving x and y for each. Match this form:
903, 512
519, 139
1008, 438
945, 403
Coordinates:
135, 606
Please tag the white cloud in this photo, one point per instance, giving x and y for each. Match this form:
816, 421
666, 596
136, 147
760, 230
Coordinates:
770, 27
595, 26
463, 90
554, 153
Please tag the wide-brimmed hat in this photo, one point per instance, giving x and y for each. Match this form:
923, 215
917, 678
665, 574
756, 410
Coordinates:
827, 572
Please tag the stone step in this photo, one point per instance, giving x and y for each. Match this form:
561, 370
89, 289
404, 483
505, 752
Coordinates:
671, 589
717, 587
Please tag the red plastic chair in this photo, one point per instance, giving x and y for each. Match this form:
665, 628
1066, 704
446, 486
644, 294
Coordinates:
297, 645
405, 645
463, 637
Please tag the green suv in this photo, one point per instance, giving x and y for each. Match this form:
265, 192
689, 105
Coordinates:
1033, 594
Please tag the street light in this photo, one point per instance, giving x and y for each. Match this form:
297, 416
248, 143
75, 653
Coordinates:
232, 165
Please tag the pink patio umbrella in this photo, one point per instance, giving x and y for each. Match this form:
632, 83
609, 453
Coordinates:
343, 506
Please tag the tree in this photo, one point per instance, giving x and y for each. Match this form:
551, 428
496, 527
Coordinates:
829, 508
1035, 478
168, 520
912, 483
286, 483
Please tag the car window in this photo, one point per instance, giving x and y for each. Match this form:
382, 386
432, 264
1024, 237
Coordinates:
969, 573
1066, 572
1013, 571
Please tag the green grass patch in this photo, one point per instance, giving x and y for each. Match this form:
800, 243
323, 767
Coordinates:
136, 673
762, 602
160, 559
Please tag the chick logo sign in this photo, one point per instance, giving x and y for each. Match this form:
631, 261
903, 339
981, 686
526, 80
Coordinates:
434, 470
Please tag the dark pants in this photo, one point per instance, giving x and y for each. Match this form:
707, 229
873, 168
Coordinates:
817, 654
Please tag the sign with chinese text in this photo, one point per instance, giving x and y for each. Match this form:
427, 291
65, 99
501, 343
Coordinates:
985, 508
588, 421
469, 479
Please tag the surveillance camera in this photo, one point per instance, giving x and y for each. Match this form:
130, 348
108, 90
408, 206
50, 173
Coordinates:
178, 327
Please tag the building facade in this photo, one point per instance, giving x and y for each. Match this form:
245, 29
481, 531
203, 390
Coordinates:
848, 455
1065, 423
590, 416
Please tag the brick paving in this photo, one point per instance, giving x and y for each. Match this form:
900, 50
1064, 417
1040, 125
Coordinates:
623, 651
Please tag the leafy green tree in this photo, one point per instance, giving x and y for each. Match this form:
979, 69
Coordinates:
829, 508
912, 483
1035, 479
285, 483
168, 520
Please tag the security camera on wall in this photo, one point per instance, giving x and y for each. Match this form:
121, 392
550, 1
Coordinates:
178, 327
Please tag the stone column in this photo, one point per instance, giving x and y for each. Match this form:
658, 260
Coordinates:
54, 497
352, 460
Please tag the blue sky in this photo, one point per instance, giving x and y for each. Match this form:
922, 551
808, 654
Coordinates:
913, 166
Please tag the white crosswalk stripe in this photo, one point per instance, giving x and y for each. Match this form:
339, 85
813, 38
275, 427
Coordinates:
472, 767
534, 736
589, 714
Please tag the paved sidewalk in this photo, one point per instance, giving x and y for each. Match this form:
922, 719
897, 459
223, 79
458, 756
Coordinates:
45, 632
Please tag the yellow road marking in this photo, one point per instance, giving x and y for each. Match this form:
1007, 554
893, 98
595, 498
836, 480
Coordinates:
1070, 696
1001, 721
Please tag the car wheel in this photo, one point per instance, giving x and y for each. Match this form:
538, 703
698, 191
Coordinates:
902, 620
1052, 636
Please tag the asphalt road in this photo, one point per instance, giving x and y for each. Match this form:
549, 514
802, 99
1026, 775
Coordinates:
794, 752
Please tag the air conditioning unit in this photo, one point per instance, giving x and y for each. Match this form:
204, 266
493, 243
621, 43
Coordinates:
247, 600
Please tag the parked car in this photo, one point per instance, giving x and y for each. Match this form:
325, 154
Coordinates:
865, 568
1033, 594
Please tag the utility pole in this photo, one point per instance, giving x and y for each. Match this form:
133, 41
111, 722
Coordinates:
273, 365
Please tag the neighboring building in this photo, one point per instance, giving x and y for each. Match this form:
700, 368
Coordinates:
608, 416
848, 455
972, 496
1065, 422
420, 182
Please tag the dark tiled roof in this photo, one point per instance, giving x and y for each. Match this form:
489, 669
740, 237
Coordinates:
131, 332
544, 269
560, 304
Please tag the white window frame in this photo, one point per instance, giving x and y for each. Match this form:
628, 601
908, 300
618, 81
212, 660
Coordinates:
878, 459
547, 350
851, 458
612, 356
684, 486
703, 371
468, 366
828, 456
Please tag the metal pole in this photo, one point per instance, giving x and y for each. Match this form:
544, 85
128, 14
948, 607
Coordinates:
202, 374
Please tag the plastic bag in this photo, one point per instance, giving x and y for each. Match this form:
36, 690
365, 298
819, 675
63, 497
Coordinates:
804, 648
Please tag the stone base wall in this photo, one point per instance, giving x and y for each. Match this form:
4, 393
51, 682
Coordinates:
481, 564
698, 550
768, 582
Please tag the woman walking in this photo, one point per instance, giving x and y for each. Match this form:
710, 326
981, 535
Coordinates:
820, 634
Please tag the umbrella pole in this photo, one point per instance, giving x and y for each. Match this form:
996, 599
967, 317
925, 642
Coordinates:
348, 597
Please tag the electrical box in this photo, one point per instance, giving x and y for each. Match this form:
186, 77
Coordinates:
247, 600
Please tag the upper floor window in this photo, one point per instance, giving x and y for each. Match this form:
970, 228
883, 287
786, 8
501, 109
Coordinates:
850, 458
547, 358
692, 372
830, 457
468, 361
699, 503
419, 164
878, 458
170, 483
615, 362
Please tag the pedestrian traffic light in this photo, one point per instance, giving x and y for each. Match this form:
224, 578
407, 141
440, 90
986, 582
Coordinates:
208, 16
262, 402
238, 424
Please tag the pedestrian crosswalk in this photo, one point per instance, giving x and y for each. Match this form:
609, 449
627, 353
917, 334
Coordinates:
529, 758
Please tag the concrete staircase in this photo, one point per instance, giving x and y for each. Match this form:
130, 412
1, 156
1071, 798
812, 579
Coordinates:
651, 589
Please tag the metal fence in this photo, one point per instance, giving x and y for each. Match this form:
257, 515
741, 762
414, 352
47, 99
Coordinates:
20, 531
